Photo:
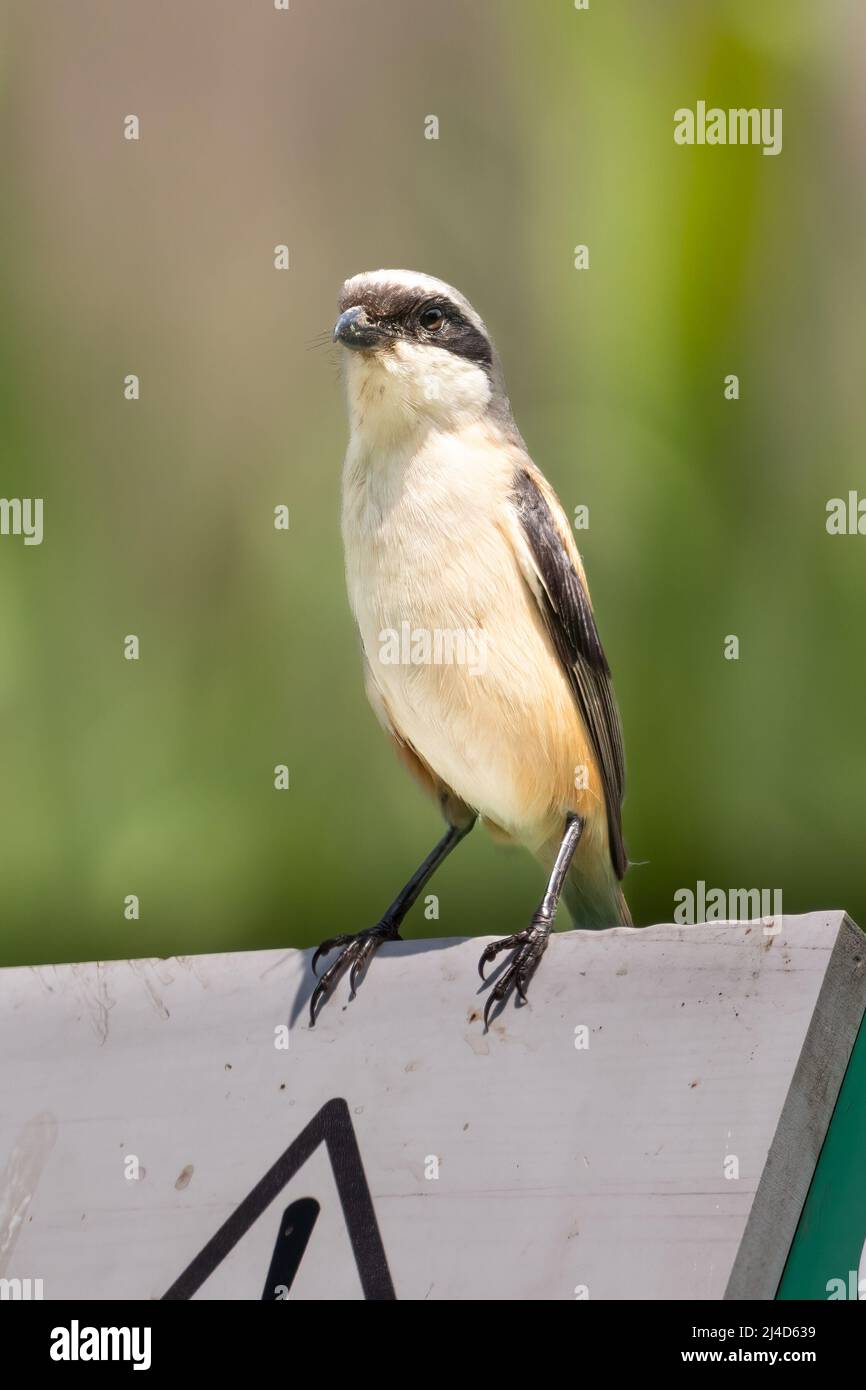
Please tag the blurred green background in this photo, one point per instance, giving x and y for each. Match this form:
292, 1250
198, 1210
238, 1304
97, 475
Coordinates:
707, 517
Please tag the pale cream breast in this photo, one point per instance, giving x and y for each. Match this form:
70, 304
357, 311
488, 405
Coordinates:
428, 533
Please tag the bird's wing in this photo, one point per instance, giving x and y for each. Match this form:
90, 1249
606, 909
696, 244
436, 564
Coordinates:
553, 570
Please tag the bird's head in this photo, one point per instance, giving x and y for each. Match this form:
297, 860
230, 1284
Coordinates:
417, 354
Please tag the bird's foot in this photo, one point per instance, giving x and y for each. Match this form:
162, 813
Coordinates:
527, 947
357, 948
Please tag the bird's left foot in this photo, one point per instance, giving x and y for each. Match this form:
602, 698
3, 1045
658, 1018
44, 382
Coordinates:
527, 947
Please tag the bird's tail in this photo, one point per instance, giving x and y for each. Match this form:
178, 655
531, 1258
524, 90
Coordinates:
595, 901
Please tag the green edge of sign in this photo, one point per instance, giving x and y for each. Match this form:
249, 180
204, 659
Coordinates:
830, 1236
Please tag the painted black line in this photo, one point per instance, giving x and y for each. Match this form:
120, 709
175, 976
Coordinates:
332, 1125
292, 1240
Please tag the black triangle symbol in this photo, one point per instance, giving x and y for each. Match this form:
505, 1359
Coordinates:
331, 1126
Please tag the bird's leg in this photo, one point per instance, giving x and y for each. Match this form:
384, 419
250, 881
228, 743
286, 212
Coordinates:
528, 946
358, 947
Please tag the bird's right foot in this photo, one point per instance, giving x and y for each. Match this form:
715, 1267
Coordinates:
357, 949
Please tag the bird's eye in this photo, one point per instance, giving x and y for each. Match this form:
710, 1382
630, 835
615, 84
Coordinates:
432, 318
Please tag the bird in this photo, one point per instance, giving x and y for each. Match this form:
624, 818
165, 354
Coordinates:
480, 650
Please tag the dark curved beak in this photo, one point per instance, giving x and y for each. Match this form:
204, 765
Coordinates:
354, 330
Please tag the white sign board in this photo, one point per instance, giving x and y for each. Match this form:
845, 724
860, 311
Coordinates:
605, 1141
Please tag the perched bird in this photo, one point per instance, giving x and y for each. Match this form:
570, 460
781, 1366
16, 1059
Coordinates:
481, 655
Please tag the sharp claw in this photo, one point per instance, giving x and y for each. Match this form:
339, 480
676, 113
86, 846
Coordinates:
318, 994
327, 982
490, 953
488, 1008
320, 951
357, 966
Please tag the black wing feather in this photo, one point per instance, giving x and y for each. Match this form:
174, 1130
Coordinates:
569, 620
